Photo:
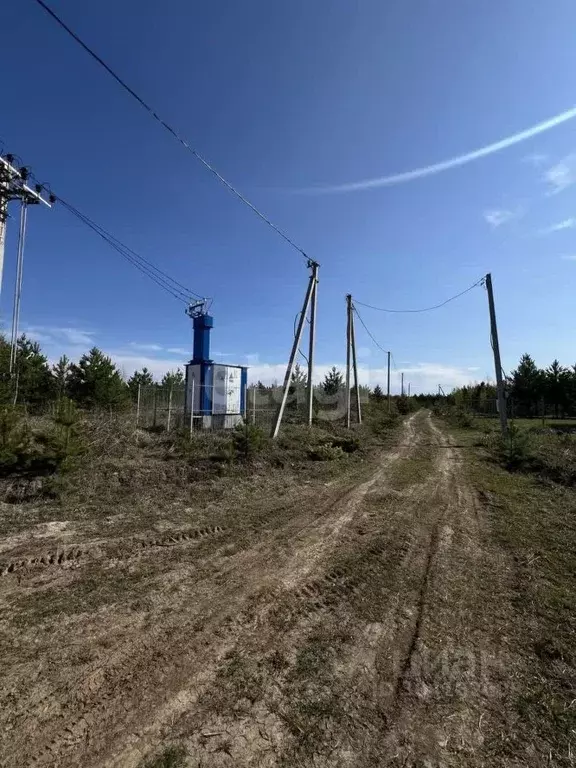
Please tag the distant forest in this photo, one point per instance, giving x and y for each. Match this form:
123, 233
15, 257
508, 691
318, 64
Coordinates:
530, 391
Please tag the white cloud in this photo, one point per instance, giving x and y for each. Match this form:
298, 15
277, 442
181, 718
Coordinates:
453, 162
423, 377
179, 351
52, 335
562, 175
569, 257
146, 347
129, 363
565, 224
496, 217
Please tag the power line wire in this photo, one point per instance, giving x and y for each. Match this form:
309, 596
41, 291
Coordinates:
367, 331
169, 128
424, 309
139, 261
161, 283
162, 279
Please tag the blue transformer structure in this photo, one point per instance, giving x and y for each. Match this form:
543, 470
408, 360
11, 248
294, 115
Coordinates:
215, 392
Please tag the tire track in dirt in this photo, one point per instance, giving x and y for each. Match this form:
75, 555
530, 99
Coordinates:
440, 683
85, 681
120, 551
300, 602
426, 686
95, 700
285, 584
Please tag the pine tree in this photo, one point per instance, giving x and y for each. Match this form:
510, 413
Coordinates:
173, 379
61, 373
333, 381
527, 386
298, 378
33, 383
297, 389
138, 379
556, 386
378, 394
95, 381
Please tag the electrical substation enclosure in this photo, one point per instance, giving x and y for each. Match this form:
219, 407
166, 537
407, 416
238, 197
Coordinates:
215, 392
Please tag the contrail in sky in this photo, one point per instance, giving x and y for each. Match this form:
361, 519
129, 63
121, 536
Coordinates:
453, 162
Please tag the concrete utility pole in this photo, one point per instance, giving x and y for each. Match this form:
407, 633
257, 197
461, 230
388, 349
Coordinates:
497, 362
388, 383
18, 286
402, 386
355, 365
312, 339
289, 368
348, 345
13, 186
408, 389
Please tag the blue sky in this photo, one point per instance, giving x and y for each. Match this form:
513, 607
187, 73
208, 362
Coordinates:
286, 99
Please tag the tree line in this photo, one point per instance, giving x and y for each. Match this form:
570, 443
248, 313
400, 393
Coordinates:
94, 381
530, 391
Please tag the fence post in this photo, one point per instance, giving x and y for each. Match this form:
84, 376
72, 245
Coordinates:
169, 416
192, 408
245, 414
254, 405
138, 406
154, 422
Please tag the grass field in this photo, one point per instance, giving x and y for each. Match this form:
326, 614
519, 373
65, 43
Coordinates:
534, 519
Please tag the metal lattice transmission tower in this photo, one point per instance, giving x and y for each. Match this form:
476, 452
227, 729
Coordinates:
14, 187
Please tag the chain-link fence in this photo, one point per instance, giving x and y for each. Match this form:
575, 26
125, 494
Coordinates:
168, 408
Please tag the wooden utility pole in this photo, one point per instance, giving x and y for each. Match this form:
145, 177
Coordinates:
348, 345
388, 383
312, 338
354, 364
497, 362
311, 286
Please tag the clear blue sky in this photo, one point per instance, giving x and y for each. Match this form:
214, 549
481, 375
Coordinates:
281, 97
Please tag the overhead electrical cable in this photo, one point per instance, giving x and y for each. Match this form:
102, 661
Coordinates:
152, 112
158, 276
423, 309
367, 331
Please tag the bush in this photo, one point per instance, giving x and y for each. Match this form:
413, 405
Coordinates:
403, 405
325, 452
463, 419
513, 450
347, 444
15, 441
248, 440
23, 451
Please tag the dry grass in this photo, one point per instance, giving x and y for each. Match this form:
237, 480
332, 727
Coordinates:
532, 518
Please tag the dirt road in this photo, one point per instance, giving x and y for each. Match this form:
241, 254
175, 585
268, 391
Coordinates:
355, 630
